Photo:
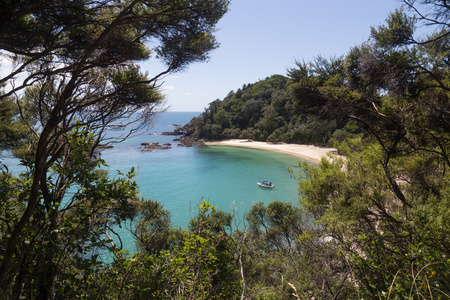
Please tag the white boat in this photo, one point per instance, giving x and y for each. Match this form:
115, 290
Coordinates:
266, 184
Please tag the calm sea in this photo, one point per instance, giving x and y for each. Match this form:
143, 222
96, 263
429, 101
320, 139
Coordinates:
181, 177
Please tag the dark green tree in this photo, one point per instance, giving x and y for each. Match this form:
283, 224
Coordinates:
74, 76
154, 231
382, 201
197, 265
282, 252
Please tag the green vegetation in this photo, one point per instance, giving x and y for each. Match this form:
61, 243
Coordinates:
75, 76
281, 109
373, 223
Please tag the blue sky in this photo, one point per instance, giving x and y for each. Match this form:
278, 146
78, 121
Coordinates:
260, 38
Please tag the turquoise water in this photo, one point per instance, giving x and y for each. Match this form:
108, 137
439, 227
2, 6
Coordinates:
181, 177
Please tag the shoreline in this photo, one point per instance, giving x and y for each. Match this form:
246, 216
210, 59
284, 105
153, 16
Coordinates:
308, 152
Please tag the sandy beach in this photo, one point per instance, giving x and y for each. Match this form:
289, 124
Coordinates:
308, 152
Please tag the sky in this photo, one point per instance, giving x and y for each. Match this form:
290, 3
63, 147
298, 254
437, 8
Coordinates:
260, 38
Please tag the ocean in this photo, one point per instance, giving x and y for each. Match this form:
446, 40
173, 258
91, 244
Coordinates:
181, 177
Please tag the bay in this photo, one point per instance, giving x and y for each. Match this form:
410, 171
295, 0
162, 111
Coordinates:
181, 177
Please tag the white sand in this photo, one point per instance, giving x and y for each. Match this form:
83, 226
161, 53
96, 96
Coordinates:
311, 153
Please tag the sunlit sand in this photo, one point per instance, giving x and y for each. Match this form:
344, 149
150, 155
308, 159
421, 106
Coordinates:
308, 152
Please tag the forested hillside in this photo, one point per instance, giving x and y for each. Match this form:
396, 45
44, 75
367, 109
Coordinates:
272, 110
373, 223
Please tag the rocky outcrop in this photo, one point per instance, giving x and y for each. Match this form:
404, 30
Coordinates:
179, 130
149, 147
189, 141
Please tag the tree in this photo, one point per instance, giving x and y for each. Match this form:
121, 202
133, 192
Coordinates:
154, 232
283, 252
197, 265
381, 203
64, 237
12, 129
74, 76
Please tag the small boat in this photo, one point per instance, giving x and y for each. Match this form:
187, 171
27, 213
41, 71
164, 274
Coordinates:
266, 184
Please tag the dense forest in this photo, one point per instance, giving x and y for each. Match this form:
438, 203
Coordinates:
272, 110
373, 223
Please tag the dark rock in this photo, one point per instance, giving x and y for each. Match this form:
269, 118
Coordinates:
154, 146
175, 132
189, 141
179, 130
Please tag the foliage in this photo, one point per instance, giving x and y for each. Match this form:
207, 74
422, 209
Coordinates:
372, 223
154, 231
184, 273
197, 265
254, 112
65, 233
378, 215
12, 129
74, 76
280, 109
382, 201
